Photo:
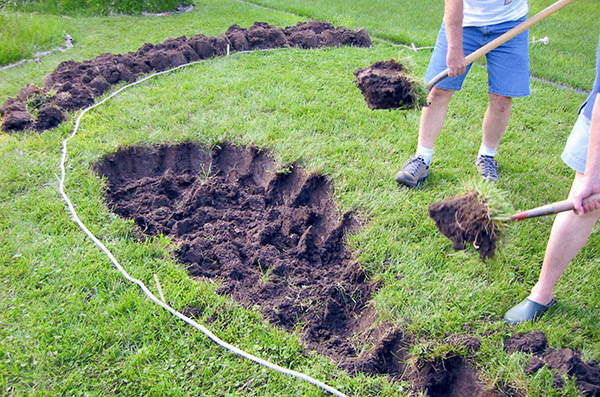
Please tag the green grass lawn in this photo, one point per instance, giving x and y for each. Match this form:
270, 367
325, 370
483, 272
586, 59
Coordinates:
97, 7
22, 35
70, 324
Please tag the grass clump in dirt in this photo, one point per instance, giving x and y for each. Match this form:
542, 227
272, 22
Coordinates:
471, 217
386, 85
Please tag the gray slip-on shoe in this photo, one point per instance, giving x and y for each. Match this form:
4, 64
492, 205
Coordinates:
527, 310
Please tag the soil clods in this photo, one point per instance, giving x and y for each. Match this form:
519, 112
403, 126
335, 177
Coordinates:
385, 86
75, 85
563, 362
466, 219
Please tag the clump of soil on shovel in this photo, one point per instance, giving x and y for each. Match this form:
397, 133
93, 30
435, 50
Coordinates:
385, 86
466, 219
274, 239
75, 85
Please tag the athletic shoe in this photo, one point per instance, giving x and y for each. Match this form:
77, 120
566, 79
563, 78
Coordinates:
414, 171
488, 167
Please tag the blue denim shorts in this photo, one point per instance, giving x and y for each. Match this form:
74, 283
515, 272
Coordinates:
508, 65
576, 149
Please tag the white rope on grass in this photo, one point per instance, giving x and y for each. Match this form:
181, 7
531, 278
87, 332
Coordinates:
139, 283
68, 43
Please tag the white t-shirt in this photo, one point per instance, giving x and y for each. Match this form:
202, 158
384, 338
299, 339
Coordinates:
491, 12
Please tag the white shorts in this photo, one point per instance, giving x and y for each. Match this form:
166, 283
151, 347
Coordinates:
576, 148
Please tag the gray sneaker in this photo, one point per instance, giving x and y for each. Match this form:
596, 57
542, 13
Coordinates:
488, 167
414, 171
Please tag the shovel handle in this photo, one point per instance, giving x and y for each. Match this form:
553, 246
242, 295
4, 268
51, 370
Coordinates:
549, 209
504, 38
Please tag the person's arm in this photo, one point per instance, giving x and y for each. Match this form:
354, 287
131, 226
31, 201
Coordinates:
453, 17
591, 177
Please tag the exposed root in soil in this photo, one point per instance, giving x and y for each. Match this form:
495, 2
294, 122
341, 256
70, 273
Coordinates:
273, 238
466, 219
385, 86
75, 85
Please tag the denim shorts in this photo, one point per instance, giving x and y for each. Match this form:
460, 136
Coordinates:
508, 64
576, 149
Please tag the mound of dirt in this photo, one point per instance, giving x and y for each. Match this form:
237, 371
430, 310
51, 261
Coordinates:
466, 219
384, 86
75, 85
561, 361
274, 240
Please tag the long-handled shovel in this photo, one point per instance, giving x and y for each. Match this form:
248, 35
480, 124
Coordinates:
467, 218
504, 38
548, 209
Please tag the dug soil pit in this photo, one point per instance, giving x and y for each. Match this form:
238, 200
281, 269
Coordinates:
75, 85
466, 219
385, 86
273, 239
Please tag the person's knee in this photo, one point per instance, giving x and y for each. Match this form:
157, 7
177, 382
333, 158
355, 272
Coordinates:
500, 100
439, 95
500, 103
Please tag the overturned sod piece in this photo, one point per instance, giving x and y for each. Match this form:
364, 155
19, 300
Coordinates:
466, 219
385, 85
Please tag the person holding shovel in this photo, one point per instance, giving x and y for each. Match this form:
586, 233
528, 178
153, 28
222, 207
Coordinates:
572, 229
467, 26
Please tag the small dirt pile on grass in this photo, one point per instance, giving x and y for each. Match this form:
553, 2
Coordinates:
75, 85
385, 86
466, 219
274, 240
561, 361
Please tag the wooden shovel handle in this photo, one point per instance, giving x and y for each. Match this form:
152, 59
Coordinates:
504, 38
554, 208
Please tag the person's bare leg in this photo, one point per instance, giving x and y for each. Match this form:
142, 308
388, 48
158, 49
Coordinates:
496, 120
433, 116
570, 232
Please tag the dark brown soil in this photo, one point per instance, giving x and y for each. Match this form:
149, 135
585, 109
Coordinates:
273, 240
561, 361
466, 219
533, 342
75, 85
384, 86
450, 377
